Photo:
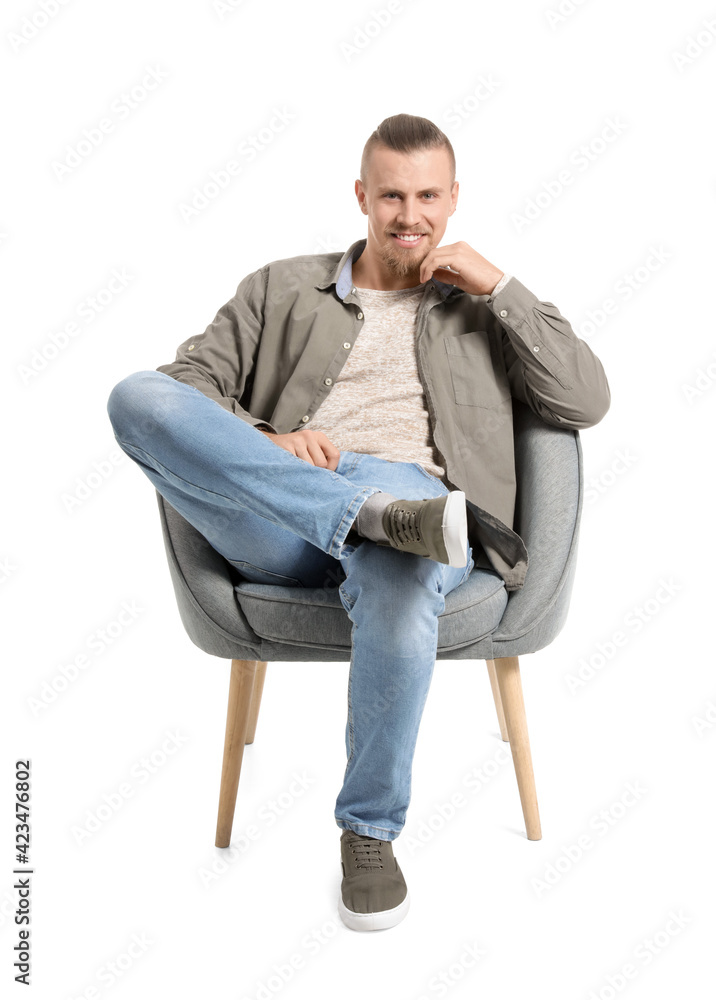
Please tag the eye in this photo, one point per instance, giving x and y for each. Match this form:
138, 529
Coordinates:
393, 194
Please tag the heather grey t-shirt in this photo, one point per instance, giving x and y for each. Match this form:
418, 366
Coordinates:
377, 404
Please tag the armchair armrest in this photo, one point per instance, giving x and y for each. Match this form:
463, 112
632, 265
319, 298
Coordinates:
547, 516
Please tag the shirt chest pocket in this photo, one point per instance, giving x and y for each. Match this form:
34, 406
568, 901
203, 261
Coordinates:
477, 370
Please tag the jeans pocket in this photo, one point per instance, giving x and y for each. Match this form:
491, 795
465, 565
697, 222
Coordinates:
347, 599
254, 574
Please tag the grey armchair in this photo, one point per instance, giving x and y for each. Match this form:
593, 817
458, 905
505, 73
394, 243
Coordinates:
251, 623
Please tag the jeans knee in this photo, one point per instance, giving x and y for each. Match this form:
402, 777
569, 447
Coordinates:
398, 575
133, 403
401, 602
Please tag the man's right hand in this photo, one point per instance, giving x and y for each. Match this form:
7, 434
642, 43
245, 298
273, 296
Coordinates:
312, 446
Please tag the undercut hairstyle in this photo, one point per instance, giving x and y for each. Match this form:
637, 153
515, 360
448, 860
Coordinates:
406, 134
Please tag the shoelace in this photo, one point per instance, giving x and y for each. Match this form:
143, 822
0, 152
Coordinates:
369, 848
402, 525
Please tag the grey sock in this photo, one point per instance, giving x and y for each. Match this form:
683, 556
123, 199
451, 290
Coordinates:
369, 522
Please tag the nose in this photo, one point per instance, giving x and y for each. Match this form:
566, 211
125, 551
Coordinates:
409, 213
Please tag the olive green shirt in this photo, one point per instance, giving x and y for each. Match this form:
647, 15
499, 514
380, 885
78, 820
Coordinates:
273, 351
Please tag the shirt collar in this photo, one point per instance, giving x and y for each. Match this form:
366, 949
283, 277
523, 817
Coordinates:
342, 276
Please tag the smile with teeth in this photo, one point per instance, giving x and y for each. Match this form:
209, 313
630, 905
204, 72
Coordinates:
407, 237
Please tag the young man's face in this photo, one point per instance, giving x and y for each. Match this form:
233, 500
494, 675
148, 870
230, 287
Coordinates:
404, 193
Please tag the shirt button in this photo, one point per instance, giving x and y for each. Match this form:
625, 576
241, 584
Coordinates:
328, 381
353, 291
535, 348
360, 315
346, 346
503, 313
191, 347
304, 420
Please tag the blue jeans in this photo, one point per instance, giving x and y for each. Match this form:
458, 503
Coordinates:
280, 520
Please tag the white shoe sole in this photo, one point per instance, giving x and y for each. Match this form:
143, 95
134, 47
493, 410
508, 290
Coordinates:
373, 921
455, 529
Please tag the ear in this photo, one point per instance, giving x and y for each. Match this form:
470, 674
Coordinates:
453, 196
360, 195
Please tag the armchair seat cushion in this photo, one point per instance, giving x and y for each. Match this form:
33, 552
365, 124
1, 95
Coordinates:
304, 616
227, 616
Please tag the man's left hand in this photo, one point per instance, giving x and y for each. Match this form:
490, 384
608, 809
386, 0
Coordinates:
476, 275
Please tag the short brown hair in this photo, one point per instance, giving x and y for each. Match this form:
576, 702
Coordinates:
406, 134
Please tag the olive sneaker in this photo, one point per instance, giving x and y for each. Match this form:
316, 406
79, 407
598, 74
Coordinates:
435, 528
374, 895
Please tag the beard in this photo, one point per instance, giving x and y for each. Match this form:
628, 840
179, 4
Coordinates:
402, 261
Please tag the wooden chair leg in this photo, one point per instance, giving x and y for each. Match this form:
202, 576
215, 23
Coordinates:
498, 701
256, 693
237, 722
507, 670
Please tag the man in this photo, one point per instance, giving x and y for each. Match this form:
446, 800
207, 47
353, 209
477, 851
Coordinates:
373, 446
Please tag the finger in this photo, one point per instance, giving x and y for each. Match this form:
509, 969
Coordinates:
300, 451
332, 456
444, 257
451, 277
330, 451
316, 454
436, 260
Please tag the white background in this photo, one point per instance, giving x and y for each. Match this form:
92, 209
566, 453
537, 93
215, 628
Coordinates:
646, 716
